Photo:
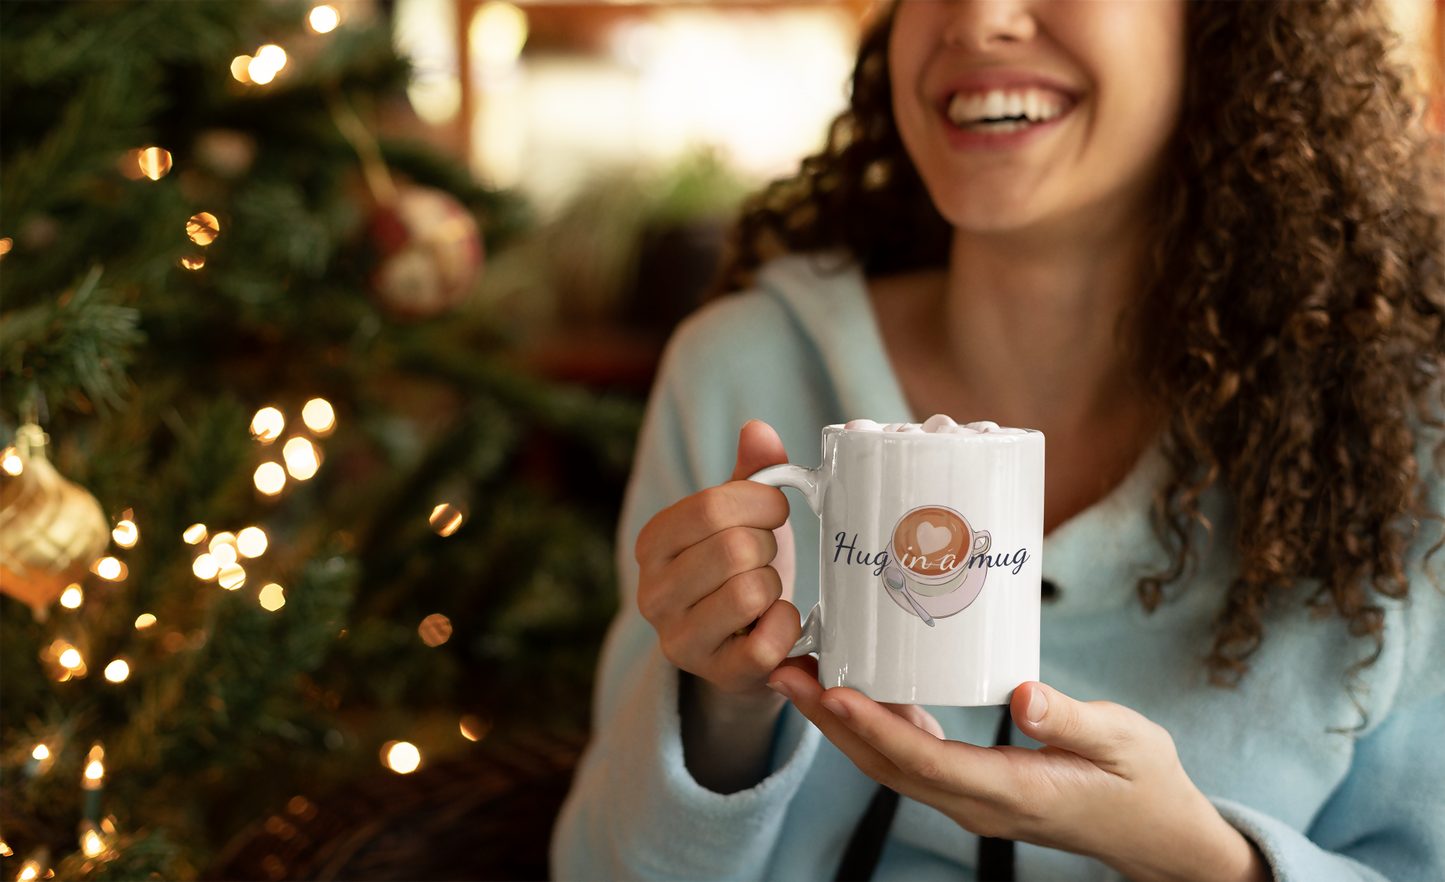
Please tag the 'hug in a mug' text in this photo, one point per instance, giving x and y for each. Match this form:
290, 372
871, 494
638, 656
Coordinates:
879, 560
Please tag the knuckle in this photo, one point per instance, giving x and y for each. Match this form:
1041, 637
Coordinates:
715, 509
739, 549
751, 595
926, 768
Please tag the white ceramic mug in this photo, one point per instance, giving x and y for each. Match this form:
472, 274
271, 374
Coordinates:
930, 563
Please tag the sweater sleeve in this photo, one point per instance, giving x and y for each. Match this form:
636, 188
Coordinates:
1386, 820
634, 811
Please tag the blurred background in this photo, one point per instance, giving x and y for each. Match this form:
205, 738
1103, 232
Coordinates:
325, 333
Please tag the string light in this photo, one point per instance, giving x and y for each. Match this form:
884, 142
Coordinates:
5, 245
435, 629
153, 162
224, 555
5, 849
268, 62
319, 416
231, 577
110, 569
194, 262
41, 752
205, 567
251, 542
29, 870
270, 478
239, 64
11, 462
400, 756
474, 728
203, 228
143, 621
272, 597
91, 843
70, 658
117, 671
267, 424
195, 534
446, 519
323, 19
301, 459
72, 597
125, 534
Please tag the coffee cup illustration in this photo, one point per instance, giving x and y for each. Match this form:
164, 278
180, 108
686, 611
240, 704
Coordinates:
936, 567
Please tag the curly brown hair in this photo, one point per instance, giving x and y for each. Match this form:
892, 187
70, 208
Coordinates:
1296, 317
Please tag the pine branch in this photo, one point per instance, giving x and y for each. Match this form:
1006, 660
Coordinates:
77, 343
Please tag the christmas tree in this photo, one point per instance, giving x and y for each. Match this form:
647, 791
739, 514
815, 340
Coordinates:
276, 500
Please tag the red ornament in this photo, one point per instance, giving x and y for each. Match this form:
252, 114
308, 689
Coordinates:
431, 253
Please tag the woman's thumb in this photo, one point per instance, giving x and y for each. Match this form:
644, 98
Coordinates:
1097, 730
758, 447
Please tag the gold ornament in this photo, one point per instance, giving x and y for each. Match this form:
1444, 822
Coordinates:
51, 530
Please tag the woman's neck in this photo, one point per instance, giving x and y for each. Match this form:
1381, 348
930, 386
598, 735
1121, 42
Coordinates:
1024, 330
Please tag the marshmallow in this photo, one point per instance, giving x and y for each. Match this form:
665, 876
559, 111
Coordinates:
957, 430
863, 426
937, 422
982, 425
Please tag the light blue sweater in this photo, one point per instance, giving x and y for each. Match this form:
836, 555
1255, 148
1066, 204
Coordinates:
803, 351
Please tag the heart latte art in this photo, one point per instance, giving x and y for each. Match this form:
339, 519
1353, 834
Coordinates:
932, 541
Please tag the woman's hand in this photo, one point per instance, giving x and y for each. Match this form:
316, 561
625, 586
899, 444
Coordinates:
1107, 783
706, 584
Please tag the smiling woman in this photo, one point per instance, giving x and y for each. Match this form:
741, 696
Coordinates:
1199, 247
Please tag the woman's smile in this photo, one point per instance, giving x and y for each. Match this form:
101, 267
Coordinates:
1002, 109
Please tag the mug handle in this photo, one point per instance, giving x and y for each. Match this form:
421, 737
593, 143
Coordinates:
987, 543
809, 482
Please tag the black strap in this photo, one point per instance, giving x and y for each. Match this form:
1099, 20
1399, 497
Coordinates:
866, 844
996, 856
860, 859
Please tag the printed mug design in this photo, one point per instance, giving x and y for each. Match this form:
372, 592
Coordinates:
937, 562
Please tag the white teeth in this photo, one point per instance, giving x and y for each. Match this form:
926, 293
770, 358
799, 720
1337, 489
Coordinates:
1000, 111
993, 105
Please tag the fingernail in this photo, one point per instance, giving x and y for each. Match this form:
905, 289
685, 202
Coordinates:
779, 687
839, 709
1038, 706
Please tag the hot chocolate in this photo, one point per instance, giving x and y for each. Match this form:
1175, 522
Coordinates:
932, 542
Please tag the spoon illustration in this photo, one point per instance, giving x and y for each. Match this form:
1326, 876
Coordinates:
893, 577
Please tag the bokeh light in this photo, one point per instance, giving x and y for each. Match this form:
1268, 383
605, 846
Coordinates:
474, 728
194, 263
267, 424
153, 162
268, 62
91, 843
41, 752
446, 519
272, 597
110, 569
125, 534
203, 228
435, 629
70, 658
323, 19
319, 416
231, 576
301, 459
11, 462
205, 567
239, 65
400, 756
72, 597
117, 671
195, 534
270, 478
251, 542
223, 554
94, 770
143, 621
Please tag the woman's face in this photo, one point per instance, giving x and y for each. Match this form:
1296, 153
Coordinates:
1020, 114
